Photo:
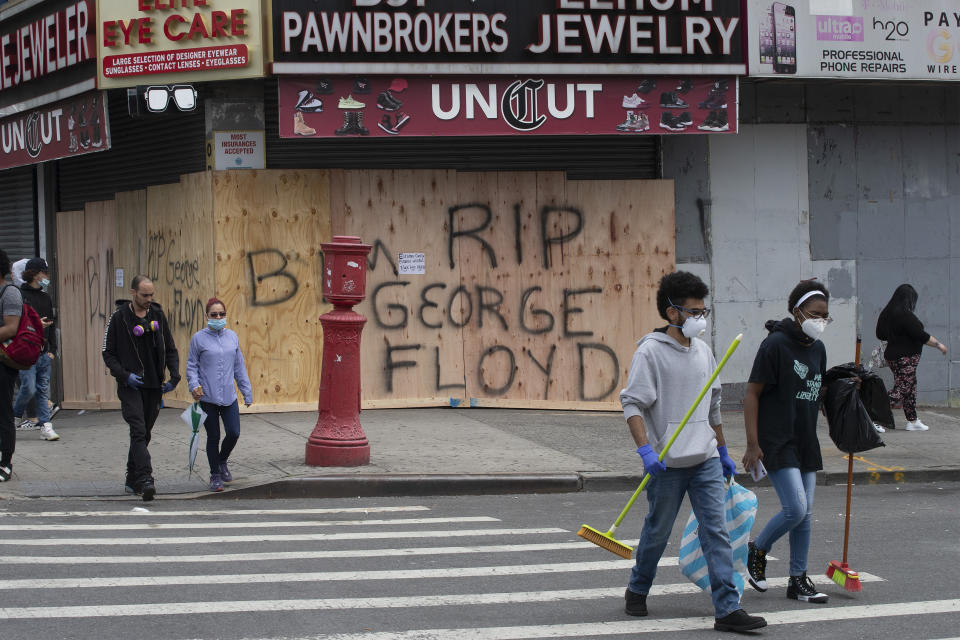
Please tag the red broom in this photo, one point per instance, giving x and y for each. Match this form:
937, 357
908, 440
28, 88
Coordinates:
840, 572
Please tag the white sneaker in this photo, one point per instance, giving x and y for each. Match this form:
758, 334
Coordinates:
916, 425
878, 428
632, 102
47, 432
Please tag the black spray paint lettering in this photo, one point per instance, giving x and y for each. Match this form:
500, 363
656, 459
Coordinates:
257, 276
392, 365
440, 386
568, 310
99, 289
582, 347
453, 233
374, 257
548, 239
547, 370
189, 311
510, 366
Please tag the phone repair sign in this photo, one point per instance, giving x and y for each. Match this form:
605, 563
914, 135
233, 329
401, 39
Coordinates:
177, 41
854, 39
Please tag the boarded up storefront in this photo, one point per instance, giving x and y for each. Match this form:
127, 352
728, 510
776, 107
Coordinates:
531, 291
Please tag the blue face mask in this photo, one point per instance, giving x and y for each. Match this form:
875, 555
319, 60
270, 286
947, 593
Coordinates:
217, 324
44, 283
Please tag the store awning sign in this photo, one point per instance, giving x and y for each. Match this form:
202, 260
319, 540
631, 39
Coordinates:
858, 40
168, 41
392, 106
692, 37
63, 129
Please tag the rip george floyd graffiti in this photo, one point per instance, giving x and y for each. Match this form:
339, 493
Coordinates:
534, 292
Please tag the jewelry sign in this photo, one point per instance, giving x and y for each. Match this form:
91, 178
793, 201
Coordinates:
698, 37
168, 41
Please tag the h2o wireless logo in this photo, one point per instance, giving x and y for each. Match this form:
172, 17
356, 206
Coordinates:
892, 29
518, 106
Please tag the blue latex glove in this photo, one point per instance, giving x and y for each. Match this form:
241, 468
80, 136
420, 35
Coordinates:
729, 466
651, 464
167, 387
134, 381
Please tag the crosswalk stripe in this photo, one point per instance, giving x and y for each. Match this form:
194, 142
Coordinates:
317, 576
217, 512
393, 602
808, 615
307, 537
239, 525
312, 555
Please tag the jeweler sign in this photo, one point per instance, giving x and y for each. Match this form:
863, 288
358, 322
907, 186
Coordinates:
703, 37
890, 40
390, 107
63, 129
177, 41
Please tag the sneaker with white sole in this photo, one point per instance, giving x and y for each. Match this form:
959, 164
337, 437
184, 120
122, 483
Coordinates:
5, 473
634, 102
801, 588
47, 432
878, 428
757, 567
27, 425
916, 425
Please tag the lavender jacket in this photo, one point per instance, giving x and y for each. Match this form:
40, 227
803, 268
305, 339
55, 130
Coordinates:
215, 361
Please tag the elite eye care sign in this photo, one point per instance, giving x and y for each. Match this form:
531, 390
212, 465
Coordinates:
699, 37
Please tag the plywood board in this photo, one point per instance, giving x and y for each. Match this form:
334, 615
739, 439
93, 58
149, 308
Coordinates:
269, 228
130, 252
71, 313
99, 239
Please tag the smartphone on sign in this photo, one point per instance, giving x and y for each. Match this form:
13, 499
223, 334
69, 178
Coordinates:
785, 38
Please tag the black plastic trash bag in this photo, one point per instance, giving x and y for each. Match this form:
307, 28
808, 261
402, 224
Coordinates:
873, 393
851, 427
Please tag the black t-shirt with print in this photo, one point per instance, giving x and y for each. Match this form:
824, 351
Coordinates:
791, 368
146, 346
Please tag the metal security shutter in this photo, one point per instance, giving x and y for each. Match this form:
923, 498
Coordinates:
582, 157
151, 149
18, 229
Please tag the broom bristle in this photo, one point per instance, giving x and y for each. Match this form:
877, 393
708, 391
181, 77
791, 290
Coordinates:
844, 576
606, 541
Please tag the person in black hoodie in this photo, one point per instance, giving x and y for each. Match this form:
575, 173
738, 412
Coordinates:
137, 347
905, 338
780, 415
35, 381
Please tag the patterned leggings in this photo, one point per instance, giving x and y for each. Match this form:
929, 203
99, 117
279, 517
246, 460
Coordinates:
905, 384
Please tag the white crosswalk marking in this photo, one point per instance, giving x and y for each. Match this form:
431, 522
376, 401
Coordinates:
212, 577
208, 513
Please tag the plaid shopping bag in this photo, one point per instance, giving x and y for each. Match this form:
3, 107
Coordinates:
740, 508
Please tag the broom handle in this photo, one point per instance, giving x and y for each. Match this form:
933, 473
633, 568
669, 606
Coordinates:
683, 423
846, 523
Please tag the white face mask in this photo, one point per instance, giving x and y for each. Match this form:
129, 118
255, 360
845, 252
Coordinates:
693, 327
814, 327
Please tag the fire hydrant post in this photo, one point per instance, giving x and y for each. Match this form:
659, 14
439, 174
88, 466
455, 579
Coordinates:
338, 439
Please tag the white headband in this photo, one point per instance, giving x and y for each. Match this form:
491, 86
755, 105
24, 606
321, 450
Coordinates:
806, 297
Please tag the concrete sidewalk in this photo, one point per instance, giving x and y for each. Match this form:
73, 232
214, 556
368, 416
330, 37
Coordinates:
424, 452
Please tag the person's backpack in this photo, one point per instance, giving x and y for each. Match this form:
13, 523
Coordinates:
24, 349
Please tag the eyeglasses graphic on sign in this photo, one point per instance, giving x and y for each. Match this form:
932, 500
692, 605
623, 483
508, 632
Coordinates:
158, 97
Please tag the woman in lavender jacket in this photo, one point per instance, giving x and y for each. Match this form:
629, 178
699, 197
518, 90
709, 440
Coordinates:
214, 363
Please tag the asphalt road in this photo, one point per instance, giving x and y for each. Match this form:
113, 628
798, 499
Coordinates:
476, 568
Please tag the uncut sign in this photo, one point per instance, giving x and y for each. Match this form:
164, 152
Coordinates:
509, 36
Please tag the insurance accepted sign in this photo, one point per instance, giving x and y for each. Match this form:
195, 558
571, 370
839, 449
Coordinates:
895, 40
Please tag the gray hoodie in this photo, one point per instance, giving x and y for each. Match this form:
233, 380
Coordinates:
665, 378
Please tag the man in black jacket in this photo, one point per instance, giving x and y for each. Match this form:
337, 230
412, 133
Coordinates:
137, 347
35, 381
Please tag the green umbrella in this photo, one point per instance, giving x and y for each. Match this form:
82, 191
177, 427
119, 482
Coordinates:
194, 416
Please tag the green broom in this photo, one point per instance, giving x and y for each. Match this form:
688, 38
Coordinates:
606, 540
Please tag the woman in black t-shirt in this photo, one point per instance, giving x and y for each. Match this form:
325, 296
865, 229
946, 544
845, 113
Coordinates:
905, 338
780, 414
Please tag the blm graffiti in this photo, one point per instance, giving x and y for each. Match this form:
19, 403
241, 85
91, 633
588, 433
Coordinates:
528, 328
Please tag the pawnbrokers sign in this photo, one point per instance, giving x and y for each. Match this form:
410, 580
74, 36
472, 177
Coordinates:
506, 36
895, 40
167, 41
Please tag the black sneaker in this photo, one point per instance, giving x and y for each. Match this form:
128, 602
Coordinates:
756, 566
128, 488
81, 116
801, 588
147, 490
715, 101
722, 124
97, 138
739, 621
5, 472
94, 112
384, 102
684, 86
709, 123
685, 119
84, 139
392, 98
387, 125
670, 100
636, 603
324, 87
646, 86
402, 120
721, 85
670, 122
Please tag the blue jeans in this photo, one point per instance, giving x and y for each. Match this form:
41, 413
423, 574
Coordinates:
35, 381
704, 484
795, 490
217, 452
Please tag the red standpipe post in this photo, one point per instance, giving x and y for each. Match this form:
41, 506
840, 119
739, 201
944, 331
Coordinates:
338, 439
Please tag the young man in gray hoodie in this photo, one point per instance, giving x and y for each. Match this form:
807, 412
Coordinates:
670, 367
